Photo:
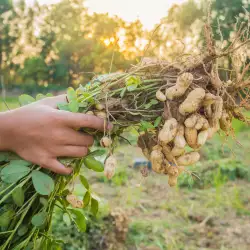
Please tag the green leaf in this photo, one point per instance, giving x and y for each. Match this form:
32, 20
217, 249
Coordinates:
132, 82
14, 172
71, 94
91, 163
157, 121
6, 217
39, 219
94, 206
4, 156
40, 97
18, 196
123, 92
22, 230
42, 182
86, 199
98, 152
49, 95
84, 182
73, 106
79, 219
43, 201
150, 104
26, 99
66, 219
132, 87
146, 125
86, 97
63, 106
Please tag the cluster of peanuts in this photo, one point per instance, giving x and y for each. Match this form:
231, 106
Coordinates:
178, 142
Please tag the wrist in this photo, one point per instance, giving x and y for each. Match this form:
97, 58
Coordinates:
5, 129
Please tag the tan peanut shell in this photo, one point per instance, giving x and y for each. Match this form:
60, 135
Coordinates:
209, 99
179, 140
99, 106
202, 138
188, 159
169, 131
167, 153
110, 167
182, 84
177, 151
160, 96
191, 120
225, 121
172, 171
193, 101
200, 123
157, 158
217, 108
191, 137
106, 142
208, 111
205, 125
172, 181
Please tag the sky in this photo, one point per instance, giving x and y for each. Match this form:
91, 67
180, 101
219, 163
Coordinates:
149, 12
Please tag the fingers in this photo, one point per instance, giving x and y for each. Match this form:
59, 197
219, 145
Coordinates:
76, 120
78, 139
57, 167
72, 151
53, 101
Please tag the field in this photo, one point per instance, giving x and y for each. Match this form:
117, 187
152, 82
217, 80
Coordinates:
212, 212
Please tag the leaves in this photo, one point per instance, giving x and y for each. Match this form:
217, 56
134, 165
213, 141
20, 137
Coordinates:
132, 82
42, 182
157, 121
84, 182
98, 152
66, 219
86, 199
63, 106
18, 196
25, 99
79, 219
40, 97
71, 94
22, 230
150, 104
94, 206
49, 95
6, 217
146, 125
15, 171
91, 163
73, 106
39, 219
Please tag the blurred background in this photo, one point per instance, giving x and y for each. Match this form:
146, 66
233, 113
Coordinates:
49, 45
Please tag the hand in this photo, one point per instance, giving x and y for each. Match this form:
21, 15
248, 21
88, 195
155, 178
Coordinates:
40, 133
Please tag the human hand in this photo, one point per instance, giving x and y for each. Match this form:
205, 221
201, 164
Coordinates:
40, 133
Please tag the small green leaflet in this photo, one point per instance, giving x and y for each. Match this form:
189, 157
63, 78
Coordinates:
98, 152
66, 219
23, 229
157, 121
150, 104
84, 182
145, 126
49, 95
94, 206
79, 219
40, 97
43, 201
86, 199
25, 99
42, 182
6, 217
14, 172
71, 94
4, 156
39, 219
73, 106
18, 196
63, 106
132, 82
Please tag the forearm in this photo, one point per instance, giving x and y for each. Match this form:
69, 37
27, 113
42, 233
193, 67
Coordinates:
5, 127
